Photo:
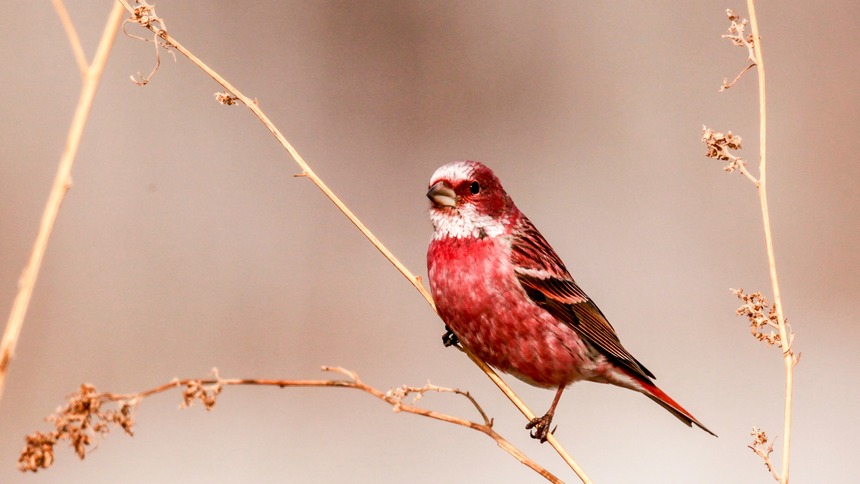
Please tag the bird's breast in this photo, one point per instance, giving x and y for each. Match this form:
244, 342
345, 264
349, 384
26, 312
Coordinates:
479, 297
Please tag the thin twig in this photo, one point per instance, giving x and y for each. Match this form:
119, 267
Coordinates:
144, 15
763, 448
86, 416
62, 182
788, 357
737, 34
404, 391
307, 172
74, 40
728, 85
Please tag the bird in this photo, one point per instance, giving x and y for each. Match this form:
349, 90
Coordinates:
504, 293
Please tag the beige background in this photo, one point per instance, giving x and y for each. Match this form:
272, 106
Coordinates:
186, 243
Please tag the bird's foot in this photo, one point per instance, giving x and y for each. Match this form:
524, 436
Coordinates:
449, 338
541, 427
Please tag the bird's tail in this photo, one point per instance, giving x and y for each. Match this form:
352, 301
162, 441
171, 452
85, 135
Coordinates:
651, 391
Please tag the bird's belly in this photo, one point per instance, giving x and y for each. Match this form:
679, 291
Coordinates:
534, 348
481, 301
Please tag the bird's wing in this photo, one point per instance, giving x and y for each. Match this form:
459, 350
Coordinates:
548, 284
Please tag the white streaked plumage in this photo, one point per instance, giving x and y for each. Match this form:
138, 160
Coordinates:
464, 222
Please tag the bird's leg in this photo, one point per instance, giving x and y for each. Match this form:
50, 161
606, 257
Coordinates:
541, 424
449, 338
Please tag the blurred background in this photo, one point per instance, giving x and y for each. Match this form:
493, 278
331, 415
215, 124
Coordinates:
186, 243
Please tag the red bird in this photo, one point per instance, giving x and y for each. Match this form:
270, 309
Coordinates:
504, 293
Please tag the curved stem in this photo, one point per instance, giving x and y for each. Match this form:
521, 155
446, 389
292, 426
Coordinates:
771, 259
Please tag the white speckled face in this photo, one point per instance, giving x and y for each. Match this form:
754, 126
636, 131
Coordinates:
464, 220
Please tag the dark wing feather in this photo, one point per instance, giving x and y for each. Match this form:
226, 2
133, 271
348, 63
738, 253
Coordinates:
548, 283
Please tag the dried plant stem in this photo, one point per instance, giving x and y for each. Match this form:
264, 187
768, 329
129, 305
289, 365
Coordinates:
762, 325
306, 169
62, 181
515, 399
485, 428
74, 40
87, 416
788, 357
307, 172
727, 85
762, 447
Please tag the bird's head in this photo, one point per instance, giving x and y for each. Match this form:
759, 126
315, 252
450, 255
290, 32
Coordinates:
468, 201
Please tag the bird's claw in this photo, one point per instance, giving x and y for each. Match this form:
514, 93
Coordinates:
541, 428
449, 338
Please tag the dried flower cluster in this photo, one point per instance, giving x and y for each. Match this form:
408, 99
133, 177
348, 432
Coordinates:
85, 417
763, 327
144, 15
197, 390
763, 448
224, 97
90, 414
719, 145
738, 36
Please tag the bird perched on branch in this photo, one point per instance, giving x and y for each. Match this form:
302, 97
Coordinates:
505, 295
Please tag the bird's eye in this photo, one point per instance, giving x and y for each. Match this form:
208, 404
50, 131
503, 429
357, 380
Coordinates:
475, 187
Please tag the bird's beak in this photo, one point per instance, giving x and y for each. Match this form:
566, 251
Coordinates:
442, 195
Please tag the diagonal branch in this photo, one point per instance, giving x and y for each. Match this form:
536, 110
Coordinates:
74, 40
62, 182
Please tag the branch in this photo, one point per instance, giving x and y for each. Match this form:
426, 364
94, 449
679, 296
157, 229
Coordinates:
771, 328
788, 358
739, 37
145, 14
762, 448
728, 85
90, 414
74, 40
62, 182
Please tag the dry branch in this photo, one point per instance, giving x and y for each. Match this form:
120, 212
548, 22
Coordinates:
90, 414
62, 181
788, 358
770, 328
74, 40
737, 34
